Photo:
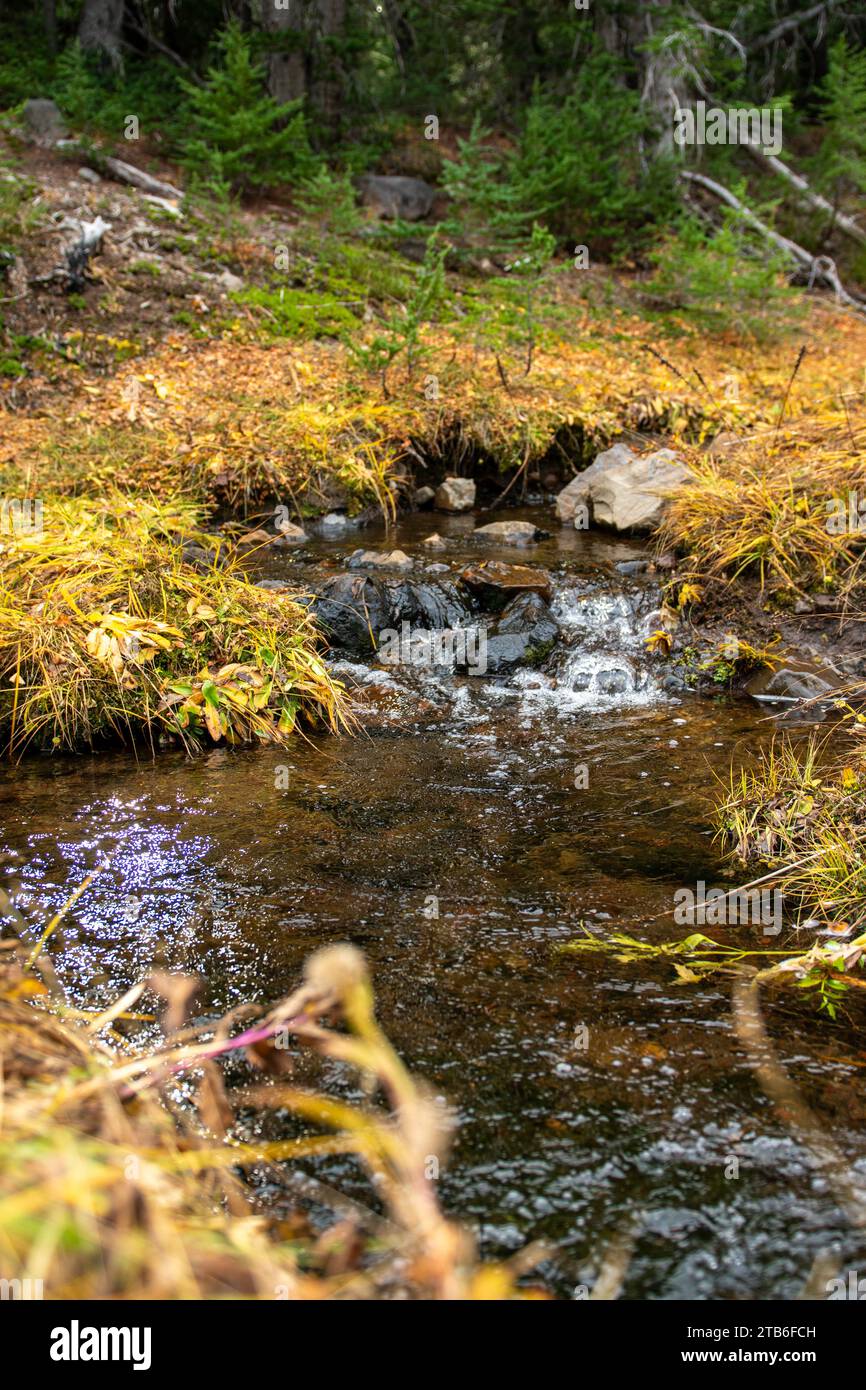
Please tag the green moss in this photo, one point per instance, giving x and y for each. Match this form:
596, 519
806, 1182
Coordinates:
145, 267
298, 313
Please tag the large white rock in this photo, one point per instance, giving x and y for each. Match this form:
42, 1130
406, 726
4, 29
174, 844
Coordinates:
455, 495
623, 490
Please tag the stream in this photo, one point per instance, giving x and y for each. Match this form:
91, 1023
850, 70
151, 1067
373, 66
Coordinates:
471, 829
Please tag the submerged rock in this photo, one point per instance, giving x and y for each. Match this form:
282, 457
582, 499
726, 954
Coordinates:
787, 684
510, 532
623, 490
522, 636
613, 681
455, 495
493, 580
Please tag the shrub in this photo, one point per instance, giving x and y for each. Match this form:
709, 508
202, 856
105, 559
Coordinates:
723, 280
239, 135
108, 633
576, 168
842, 160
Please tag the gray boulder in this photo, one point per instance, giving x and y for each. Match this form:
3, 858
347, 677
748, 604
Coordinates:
623, 490
43, 120
455, 495
397, 197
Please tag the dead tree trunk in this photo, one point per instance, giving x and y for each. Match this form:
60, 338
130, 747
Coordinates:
99, 30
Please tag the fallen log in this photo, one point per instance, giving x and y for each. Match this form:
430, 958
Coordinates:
806, 194
815, 267
128, 173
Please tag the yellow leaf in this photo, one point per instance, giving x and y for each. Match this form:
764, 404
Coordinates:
659, 641
212, 720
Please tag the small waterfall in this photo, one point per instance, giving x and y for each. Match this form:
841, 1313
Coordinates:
601, 660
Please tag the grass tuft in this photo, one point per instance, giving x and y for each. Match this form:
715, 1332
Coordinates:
108, 633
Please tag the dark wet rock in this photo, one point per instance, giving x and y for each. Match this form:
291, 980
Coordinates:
455, 495
353, 609
673, 683
380, 560
522, 636
788, 684
631, 567
494, 582
43, 120
424, 496
398, 197
510, 532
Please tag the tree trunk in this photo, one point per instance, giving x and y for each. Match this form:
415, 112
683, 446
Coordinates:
327, 85
663, 88
287, 71
49, 23
99, 30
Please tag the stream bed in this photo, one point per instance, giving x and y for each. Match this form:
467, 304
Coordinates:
473, 828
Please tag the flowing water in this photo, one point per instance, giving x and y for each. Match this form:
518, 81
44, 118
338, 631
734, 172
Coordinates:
471, 830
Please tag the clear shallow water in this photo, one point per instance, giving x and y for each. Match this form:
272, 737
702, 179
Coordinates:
468, 793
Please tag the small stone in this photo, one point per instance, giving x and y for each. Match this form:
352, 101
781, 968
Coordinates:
290, 534
334, 521
424, 496
231, 283
492, 577
510, 532
377, 559
623, 490
435, 542
88, 175
257, 537
788, 684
